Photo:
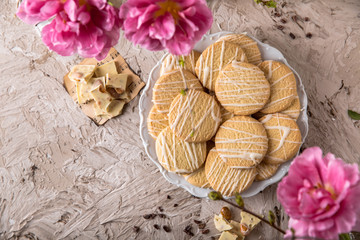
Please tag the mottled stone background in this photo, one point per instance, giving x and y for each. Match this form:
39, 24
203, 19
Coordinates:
63, 177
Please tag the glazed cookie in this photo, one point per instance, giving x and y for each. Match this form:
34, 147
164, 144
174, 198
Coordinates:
156, 122
248, 45
168, 86
172, 62
225, 179
198, 178
179, 156
294, 109
242, 142
214, 58
265, 171
242, 88
194, 116
282, 86
284, 138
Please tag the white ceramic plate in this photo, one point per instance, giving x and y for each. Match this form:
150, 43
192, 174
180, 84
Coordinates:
268, 53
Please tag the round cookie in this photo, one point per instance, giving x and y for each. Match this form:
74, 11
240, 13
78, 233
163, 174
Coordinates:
168, 86
294, 109
156, 122
179, 156
194, 116
172, 62
248, 45
265, 171
284, 138
214, 58
225, 179
242, 88
198, 178
282, 86
242, 142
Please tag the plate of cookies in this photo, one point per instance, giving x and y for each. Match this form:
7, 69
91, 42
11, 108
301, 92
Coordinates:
228, 117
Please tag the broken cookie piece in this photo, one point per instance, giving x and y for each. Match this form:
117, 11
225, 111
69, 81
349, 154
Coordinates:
248, 223
228, 236
81, 73
221, 223
107, 68
115, 108
118, 82
101, 97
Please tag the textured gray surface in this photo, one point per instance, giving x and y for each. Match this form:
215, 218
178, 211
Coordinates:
62, 177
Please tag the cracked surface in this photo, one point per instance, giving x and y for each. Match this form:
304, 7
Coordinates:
62, 177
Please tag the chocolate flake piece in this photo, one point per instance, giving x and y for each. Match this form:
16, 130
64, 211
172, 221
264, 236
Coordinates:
156, 226
166, 228
277, 14
168, 197
205, 231
149, 216
136, 229
160, 209
283, 20
202, 225
162, 215
309, 35
280, 27
294, 18
292, 35
188, 230
176, 205
306, 19
197, 221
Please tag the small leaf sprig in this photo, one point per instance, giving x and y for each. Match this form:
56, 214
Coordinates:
354, 115
269, 4
240, 204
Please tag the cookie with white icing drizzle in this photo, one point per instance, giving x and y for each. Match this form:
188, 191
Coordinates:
198, 178
168, 86
194, 116
265, 171
284, 138
242, 142
294, 109
248, 45
282, 86
225, 179
242, 88
214, 58
172, 62
156, 122
179, 156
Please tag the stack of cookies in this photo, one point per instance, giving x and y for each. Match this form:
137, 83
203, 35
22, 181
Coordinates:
224, 118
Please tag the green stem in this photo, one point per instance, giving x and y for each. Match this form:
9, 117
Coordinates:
254, 214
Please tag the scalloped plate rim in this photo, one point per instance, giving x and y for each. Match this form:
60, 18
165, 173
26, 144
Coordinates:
145, 102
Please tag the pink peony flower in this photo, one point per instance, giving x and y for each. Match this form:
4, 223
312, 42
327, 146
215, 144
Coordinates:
35, 11
321, 195
172, 24
88, 27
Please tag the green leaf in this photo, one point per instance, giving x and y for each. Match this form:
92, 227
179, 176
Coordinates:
271, 4
354, 115
183, 92
271, 217
239, 200
215, 196
181, 61
344, 236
